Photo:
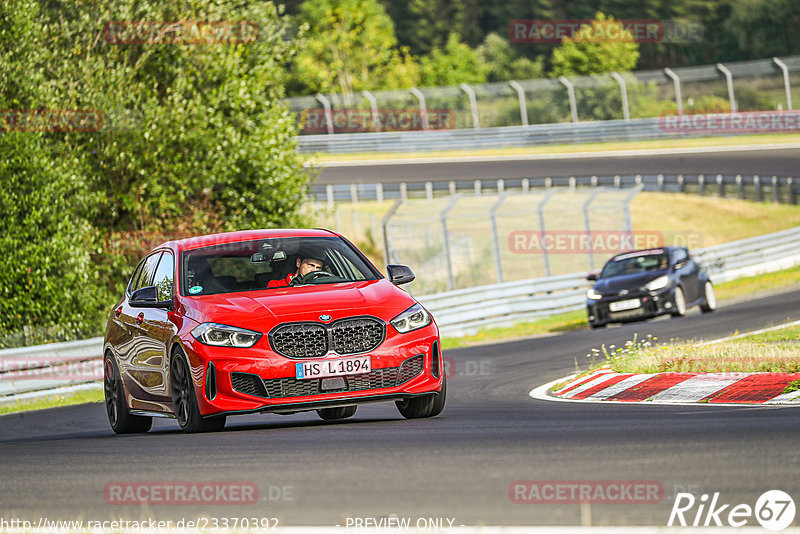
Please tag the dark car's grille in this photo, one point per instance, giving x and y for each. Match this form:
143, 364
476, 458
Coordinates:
313, 340
300, 340
387, 377
352, 336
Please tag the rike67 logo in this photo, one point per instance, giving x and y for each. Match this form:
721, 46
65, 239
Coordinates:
774, 510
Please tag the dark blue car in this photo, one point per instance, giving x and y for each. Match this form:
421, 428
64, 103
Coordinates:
641, 284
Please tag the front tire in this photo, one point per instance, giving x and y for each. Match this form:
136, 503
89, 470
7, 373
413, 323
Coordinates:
425, 406
332, 414
679, 303
184, 400
710, 298
121, 421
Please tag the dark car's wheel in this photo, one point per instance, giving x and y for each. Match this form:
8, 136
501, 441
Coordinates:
596, 326
331, 414
121, 421
184, 401
709, 298
425, 406
679, 303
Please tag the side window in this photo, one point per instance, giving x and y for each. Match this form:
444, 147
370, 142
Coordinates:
165, 277
680, 255
135, 276
148, 269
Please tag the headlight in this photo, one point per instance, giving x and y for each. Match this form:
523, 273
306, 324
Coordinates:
220, 335
413, 318
593, 294
659, 283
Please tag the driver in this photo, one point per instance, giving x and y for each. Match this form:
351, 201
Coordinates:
309, 263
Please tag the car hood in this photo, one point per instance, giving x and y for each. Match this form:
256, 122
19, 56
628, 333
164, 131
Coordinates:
631, 282
262, 310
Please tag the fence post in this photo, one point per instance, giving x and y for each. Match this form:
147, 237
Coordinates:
451, 186
617, 181
548, 183
379, 192
473, 104
423, 109
523, 109
543, 230
573, 106
676, 81
429, 190
660, 179
701, 181
526, 185
498, 265
587, 226
729, 80
757, 184
326, 104
720, 186
792, 194
373, 105
775, 190
387, 247
681, 185
501, 186
572, 183
451, 284
787, 87
638, 179
593, 180
623, 88
477, 188
739, 187
403, 191
329, 194
353, 193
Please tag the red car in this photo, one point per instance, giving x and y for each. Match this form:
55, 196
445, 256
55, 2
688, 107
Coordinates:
280, 321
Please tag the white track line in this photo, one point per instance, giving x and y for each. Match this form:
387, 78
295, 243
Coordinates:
558, 155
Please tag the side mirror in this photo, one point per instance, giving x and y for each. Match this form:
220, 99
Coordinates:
592, 277
400, 274
681, 264
147, 297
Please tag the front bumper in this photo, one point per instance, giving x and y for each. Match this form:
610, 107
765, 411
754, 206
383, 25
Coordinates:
231, 380
652, 304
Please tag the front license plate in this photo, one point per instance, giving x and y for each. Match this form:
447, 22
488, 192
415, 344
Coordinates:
326, 368
622, 305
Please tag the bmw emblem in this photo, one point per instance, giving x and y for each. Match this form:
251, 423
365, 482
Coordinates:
623, 292
325, 317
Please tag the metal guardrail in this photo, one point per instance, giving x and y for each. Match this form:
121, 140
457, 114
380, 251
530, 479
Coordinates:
44, 369
499, 137
783, 189
467, 310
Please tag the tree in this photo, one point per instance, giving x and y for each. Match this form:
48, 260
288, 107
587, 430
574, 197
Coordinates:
503, 64
454, 64
603, 46
349, 46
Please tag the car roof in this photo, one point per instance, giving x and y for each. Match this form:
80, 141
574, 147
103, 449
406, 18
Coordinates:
244, 235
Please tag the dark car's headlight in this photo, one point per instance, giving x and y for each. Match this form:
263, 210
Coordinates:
220, 335
658, 283
593, 294
413, 318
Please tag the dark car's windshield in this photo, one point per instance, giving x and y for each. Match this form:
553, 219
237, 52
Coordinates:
269, 263
635, 262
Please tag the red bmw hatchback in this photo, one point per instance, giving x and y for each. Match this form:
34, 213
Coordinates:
280, 321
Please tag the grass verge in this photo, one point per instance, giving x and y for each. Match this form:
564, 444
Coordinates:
775, 352
575, 320
753, 140
78, 397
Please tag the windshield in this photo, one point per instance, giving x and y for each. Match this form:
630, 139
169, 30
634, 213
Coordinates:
635, 263
270, 264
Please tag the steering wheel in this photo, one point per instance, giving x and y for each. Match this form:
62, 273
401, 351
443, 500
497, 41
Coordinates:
309, 277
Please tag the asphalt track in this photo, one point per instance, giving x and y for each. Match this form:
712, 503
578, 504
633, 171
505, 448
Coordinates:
780, 162
56, 463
